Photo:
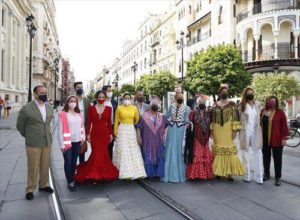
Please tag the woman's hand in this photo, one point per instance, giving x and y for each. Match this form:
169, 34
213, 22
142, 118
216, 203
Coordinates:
139, 140
88, 138
63, 150
111, 138
233, 135
283, 142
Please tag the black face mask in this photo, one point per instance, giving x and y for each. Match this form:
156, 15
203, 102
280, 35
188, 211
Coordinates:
140, 99
43, 98
179, 101
249, 97
224, 95
79, 91
202, 106
154, 107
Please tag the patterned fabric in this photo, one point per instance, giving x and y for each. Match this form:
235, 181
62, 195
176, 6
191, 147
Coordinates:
177, 115
204, 122
127, 155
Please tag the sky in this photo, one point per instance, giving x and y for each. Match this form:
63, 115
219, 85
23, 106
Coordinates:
91, 32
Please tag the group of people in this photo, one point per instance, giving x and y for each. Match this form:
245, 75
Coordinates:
136, 140
5, 105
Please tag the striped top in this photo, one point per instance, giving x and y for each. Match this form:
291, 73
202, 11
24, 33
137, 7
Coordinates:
74, 122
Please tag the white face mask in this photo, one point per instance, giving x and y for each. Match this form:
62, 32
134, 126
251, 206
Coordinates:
127, 102
109, 94
72, 105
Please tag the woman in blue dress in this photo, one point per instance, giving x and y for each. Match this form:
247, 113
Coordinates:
177, 118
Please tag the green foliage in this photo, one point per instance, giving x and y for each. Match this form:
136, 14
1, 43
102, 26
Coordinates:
218, 64
143, 83
282, 85
116, 93
91, 95
161, 83
128, 88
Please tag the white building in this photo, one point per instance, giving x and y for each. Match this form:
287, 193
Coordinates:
14, 46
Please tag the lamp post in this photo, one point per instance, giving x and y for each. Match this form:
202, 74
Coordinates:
56, 63
117, 85
180, 46
134, 68
31, 30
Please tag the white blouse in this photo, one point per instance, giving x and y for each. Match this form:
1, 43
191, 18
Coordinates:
74, 122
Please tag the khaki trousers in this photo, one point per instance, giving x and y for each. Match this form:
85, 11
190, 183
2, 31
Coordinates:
38, 162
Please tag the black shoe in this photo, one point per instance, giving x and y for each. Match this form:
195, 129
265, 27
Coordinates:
266, 177
277, 182
72, 187
218, 177
29, 196
230, 179
47, 189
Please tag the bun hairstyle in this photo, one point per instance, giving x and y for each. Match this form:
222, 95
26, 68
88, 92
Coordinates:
222, 87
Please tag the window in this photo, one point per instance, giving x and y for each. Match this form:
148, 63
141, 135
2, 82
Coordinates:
179, 68
145, 45
3, 17
209, 1
199, 34
16, 98
234, 11
141, 48
197, 9
190, 9
200, 5
2, 64
6, 97
145, 63
220, 19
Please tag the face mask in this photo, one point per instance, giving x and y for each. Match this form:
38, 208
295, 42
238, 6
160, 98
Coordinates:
79, 91
140, 99
72, 105
43, 98
179, 101
127, 102
202, 106
109, 94
154, 107
249, 97
101, 101
271, 104
224, 95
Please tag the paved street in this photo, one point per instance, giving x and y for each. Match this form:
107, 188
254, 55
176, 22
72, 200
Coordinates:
217, 199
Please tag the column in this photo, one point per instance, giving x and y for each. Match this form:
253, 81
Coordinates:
296, 35
243, 42
276, 33
256, 38
9, 48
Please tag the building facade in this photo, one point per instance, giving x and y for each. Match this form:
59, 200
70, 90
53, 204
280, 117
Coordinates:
68, 80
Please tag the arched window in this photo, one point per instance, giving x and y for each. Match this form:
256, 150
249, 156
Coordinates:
190, 9
234, 10
220, 19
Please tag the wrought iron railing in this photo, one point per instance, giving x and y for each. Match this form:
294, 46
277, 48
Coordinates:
199, 38
271, 5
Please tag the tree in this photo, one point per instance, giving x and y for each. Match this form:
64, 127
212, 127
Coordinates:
91, 95
128, 88
116, 92
161, 83
218, 64
282, 85
143, 83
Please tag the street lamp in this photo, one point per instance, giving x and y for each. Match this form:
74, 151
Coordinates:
134, 68
31, 30
181, 45
117, 85
56, 63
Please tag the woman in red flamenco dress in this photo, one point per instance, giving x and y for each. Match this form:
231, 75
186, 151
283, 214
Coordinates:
98, 168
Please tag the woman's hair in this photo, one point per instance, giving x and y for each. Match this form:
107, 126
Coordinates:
222, 87
100, 92
244, 98
66, 106
272, 97
125, 94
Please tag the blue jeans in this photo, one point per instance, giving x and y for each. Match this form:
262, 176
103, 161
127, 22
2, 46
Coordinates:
0, 111
70, 157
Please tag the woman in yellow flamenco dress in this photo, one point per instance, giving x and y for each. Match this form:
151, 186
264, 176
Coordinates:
225, 123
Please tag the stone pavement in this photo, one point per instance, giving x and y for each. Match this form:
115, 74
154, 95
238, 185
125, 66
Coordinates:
13, 174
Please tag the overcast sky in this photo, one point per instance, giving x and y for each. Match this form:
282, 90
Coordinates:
91, 32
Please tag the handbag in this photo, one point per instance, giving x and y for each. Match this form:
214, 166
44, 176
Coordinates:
8, 108
83, 148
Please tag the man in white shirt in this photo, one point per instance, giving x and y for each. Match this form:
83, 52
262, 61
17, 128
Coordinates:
113, 104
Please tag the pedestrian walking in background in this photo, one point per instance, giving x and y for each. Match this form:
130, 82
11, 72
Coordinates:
33, 123
84, 105
7, 108
71, 135
275, 132
177, 118
151, 130
225, 123
127, 156
140, 102
99, 132
200, 167
1, 106
113, 104
251, 135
